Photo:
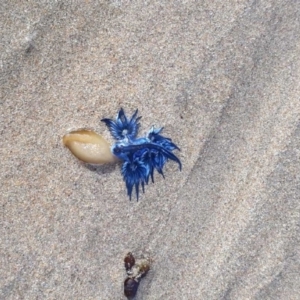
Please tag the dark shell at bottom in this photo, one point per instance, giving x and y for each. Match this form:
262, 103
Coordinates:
130, 287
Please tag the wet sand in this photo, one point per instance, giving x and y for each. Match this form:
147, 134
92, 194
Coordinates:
223, 78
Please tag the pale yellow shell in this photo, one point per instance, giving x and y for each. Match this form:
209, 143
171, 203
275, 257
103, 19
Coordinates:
89, 147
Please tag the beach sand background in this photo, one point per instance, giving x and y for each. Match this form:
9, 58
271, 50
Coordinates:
222, 77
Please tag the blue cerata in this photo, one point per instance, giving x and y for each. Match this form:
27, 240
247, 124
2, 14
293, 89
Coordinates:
140, 156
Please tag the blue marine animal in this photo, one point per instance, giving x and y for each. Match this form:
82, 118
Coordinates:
140, 156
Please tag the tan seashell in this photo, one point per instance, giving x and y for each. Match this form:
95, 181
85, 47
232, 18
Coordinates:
89, 147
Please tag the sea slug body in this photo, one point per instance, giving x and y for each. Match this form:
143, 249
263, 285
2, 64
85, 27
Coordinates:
140, 156
89, 147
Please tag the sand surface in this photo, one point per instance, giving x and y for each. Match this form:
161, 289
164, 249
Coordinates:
222, 77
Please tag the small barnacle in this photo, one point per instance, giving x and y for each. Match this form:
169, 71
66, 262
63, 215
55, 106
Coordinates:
129, 261
89, 147
136, 269
143, 266
130, 287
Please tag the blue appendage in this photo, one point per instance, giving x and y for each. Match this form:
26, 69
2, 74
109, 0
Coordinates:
140, 156
123, 128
